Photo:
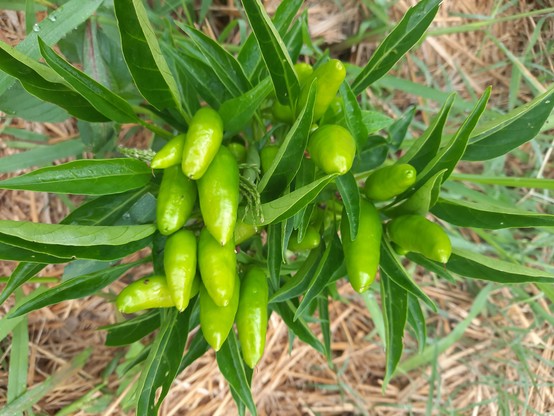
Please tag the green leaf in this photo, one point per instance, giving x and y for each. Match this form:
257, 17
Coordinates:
75, 288
231, 365
144, 57
372, 155
19, 358
274, 53
449, 156
42, 155
290, 155
111, 105
394, 301
424, 149
353, 114
330, 263
238, 112
131, 330
399, 129
11, 252
499, 136
416, 319
84, 177
392, 267
162, 364
76, 235
483, 215
477, 266
286, 206
286, 311
422, 200
249, 54
402, 38
51, 29
224, 65
350, 194
44, 85
197, 348
540, 183
300, 281
431, 266
325, 325
274, 252
375, 121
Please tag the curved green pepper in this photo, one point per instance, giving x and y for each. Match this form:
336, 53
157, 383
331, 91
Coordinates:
175, 200
328, 78
146, 293
170, 154
180, 266
244, 231
332, 148
218, 194
218, 267
216, 321
311, 240
389, 181
252, 315
267, 156
303, 72
416, 233
238, 150
202, 143
363, 254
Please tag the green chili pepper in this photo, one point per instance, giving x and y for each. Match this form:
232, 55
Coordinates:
218, 194
328, 78
202, 143
170, 154
363, 253
252, 315
310, 240
283, 112
334, 113
216, 321
218, 267
416, 233
175, 200
332, 148
303, 72
180, 266
195, 286
238, 150
389, 181
267, 156
244, 231
146, 293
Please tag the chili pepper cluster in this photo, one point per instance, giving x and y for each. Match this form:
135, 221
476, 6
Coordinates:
199, 170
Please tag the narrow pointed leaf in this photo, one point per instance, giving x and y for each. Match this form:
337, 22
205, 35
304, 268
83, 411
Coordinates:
131, 330
84, 177
350, 194
416, 319
402, 38
353, 114
299, 327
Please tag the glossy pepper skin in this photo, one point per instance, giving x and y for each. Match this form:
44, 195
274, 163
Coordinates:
202, 143
332, 148
146, 293
175, 201
416, 233
218, 194
216, 321
311, 240
180, 266
363, 254
170, 154
267, 156
389, 181
328, 78
238, 150
252, 315
244, 231
218, 267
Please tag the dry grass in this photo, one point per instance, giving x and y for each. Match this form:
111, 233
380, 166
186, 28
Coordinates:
483, 367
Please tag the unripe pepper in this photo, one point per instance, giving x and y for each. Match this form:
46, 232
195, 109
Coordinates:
267, 155
216, 321
243, 231
180, 266
416, 233
238, 150
175, 200
170, 154
252, 315
146, 293
332, 148
303, 72
284, 112
363, 254
202, 143
389, 181
328, 78
218, 267
311, 240
218, 193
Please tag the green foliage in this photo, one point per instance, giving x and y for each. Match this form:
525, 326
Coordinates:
175, 67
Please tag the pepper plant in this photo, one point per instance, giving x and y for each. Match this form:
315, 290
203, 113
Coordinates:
269, 182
